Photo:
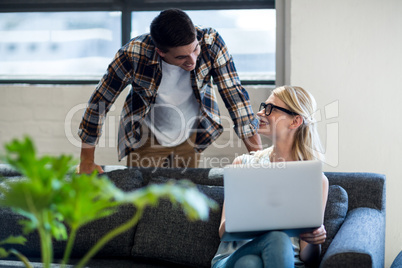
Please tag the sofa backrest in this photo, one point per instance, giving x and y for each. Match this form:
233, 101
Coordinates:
364, 189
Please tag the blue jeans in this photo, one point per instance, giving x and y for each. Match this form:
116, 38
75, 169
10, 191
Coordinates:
273, 249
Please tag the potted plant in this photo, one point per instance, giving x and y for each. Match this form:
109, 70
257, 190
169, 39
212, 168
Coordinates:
52, 197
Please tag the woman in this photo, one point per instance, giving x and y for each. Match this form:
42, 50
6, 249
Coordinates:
285, 118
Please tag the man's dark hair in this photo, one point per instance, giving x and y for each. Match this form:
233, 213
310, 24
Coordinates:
172, 28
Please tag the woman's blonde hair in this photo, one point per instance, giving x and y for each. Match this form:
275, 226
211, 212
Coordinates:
307, 144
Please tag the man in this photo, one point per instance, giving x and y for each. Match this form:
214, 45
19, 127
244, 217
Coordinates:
172, 97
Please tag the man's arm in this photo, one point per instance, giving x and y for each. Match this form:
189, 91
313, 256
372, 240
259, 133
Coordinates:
99, 104
253, 143
87, 162
233, 94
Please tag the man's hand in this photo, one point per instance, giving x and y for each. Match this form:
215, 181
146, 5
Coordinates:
88, 168
87, 164
253, 143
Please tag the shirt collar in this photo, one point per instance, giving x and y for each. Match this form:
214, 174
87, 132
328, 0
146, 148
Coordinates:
156, 59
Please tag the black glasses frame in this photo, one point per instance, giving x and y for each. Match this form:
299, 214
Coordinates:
268, 107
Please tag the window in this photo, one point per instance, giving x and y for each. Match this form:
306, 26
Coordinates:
58, 41
58, 45
255, 60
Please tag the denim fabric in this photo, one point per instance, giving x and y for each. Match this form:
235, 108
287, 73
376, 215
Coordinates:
397, 263
274, 248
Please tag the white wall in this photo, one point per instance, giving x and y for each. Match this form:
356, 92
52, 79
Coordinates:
350, 52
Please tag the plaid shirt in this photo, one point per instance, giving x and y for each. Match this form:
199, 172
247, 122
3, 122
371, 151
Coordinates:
139, 65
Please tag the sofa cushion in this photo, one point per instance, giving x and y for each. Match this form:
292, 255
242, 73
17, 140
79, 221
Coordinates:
335, 213
120, 246
7, 171
164, 233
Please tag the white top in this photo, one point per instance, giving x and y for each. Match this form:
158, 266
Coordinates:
176, 110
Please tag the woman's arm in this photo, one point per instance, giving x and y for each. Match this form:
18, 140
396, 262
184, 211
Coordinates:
237, 161
310, 243
310, 251
222, 225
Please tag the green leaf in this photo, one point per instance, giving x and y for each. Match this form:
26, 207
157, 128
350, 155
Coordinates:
30, 224
50, 195
14, 240
36, 196
88, 198
4, 253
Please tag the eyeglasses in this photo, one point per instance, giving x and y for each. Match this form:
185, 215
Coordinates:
269, 107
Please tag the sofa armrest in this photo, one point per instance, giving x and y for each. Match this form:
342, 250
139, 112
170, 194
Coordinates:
360, 242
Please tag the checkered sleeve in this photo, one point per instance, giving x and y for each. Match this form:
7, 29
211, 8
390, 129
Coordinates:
235, 97
116, 78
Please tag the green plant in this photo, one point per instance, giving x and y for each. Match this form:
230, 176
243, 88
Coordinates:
14, 240
52, 196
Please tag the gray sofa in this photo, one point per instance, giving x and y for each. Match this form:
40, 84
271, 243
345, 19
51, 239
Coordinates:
354, 219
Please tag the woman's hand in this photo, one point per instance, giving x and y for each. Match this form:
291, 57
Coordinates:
315, 237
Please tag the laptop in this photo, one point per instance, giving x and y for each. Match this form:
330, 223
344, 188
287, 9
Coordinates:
285, 196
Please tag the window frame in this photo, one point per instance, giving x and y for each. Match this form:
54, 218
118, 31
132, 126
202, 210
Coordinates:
126, 7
